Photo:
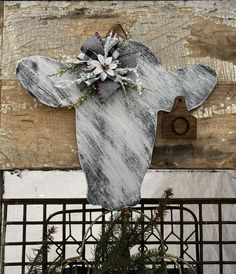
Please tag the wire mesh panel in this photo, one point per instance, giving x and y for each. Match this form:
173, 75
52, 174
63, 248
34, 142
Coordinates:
198, 230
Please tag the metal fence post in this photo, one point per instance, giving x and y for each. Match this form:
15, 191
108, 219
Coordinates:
1, 223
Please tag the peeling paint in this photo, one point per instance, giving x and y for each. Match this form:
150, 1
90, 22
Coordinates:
221, 109
9, 134
9, 105
164, 26
28, 4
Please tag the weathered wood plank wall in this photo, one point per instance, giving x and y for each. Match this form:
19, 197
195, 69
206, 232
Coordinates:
38, 137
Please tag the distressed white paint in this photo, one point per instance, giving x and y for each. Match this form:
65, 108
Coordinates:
222, 109
8, 105
115, 139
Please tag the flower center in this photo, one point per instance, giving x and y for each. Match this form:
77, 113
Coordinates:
105, 66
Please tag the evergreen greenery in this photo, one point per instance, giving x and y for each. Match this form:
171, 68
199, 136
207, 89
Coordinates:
122, 233
114, 251
37, 262
69, 68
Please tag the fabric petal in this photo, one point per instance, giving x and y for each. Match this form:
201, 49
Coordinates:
113, 66
101, 59
98, 70
103, 75
110, 72
108, 60
95, 63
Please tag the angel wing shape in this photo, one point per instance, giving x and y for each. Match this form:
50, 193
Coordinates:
115, 139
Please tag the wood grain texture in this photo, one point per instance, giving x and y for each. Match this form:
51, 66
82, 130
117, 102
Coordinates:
179, 123
215, 145
58, 28
115, 139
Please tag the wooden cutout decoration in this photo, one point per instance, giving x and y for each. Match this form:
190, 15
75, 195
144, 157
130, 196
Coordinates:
115, 137
179, 123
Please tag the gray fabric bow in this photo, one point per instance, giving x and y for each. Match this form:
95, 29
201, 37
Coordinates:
109, 47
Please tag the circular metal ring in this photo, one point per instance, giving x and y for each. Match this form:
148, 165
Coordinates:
182, 120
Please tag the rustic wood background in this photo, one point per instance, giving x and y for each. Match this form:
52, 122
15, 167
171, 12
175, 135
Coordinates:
34, 136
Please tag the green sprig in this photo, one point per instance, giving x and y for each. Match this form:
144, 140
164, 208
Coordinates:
69, 68
120, 234
37, 262
88, 94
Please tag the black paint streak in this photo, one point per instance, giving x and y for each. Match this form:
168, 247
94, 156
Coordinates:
101, 190
208, 69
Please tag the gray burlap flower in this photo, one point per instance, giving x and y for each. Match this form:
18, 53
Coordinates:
105, 65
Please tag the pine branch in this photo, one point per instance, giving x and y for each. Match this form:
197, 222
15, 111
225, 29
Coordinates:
120, 234
37, 261
67, 68
161, 210
88, 94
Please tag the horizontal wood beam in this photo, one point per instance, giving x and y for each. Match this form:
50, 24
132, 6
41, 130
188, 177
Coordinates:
33, 136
